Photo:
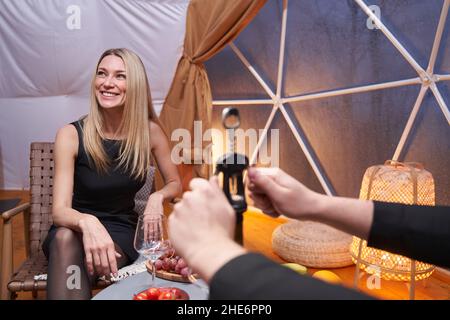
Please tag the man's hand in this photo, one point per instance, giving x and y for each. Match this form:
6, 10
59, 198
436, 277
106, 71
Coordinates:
275, 193
201, 228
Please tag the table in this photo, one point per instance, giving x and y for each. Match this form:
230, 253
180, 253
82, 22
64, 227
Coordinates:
126, 288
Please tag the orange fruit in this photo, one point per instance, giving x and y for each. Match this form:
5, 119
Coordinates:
327, 276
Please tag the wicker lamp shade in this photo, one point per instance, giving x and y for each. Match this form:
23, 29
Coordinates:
398, 182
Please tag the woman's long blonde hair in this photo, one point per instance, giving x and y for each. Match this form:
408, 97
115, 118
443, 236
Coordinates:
135, 150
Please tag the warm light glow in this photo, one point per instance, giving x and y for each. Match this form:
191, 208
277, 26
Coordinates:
396, 182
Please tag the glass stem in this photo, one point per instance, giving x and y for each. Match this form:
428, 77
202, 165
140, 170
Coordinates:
153, 272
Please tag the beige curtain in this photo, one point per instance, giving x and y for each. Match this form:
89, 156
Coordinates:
210, 26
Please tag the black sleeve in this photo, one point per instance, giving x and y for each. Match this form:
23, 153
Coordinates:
418, 232
254, 277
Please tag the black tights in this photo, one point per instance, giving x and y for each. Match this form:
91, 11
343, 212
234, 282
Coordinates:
68, 278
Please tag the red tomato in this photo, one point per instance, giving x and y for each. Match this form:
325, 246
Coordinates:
153, 293
175, 292
180, 294
167, 295
140, 296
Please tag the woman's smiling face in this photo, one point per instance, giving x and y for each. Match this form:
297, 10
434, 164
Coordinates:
110, 82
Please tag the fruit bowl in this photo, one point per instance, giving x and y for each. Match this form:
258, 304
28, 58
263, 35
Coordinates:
162, 293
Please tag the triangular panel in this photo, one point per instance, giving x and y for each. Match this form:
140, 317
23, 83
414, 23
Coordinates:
351, 133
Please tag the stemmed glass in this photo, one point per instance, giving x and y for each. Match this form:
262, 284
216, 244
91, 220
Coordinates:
151, 239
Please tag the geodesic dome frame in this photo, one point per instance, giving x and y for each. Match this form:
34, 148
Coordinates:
426, 78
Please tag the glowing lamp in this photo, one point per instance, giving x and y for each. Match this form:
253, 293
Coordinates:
398, 182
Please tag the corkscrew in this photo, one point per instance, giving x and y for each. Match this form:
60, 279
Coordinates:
232, 166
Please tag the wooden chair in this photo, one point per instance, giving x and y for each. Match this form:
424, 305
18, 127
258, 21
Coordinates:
37, 222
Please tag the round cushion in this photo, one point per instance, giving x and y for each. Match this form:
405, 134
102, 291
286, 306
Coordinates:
312, 244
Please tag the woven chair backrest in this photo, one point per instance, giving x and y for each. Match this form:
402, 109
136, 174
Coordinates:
41, 184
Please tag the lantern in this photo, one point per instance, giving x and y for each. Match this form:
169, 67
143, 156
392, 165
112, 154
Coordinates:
407, 183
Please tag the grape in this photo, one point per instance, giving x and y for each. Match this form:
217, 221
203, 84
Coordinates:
181, 263
158, 264
173, 262
185, 272
166, 264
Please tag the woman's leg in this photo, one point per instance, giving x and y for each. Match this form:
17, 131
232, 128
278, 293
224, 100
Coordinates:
68, 278
67, 275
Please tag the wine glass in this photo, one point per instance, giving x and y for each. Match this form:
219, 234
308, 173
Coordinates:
151, 239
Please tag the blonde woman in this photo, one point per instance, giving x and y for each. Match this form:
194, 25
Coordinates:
101, 162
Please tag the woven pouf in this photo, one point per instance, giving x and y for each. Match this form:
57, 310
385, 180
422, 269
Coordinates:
312, 244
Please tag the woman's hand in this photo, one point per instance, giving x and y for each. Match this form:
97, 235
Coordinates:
275, 193
98, 247
154, 204
153, 208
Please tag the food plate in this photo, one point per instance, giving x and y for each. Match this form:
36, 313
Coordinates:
163, 293
168, 275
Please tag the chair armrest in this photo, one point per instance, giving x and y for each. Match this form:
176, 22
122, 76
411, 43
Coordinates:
15, 211
6, 250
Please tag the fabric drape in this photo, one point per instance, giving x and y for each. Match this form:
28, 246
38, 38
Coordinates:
210, 26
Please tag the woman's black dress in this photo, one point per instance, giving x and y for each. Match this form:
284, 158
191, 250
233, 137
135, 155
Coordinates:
109, 197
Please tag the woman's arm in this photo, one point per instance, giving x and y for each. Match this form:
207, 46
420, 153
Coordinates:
65, 153
98, 245
169, 172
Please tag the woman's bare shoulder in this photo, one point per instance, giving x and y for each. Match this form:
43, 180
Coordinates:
67, 133
154, 126
67, 138
157, 135
156, 130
